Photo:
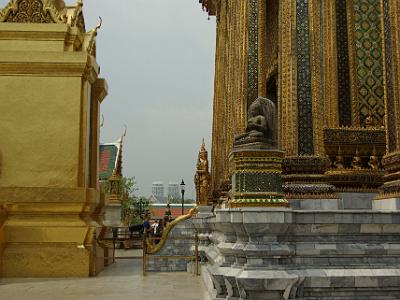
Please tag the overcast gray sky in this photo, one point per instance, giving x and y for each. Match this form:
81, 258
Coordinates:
158, 59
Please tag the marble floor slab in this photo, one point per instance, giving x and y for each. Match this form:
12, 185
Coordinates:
122, 280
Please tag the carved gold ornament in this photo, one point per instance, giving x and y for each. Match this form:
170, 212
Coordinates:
32, 11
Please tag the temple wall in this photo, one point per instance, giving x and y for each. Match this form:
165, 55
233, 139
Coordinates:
51, 92
50, 161
229, 86
326, 59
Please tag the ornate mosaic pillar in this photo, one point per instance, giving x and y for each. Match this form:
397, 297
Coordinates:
252, 63
305, 163
389, 197
366, 63
230, 87
343, 67
354, 135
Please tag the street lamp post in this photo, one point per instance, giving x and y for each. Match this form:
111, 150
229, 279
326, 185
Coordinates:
140, 207
183, 193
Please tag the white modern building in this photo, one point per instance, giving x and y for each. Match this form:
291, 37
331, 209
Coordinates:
157, 188
173, 190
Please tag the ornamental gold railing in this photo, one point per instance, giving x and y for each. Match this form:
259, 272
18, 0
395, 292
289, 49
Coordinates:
150, 248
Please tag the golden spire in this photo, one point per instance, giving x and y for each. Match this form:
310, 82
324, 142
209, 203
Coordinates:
93, 35
203, 146
118, 168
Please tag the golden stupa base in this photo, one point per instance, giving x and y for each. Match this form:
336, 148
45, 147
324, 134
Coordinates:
48, 232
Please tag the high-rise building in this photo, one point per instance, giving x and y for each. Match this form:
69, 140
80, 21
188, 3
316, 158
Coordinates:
157, 188
173, 190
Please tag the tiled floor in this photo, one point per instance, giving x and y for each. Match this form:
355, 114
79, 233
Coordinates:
123, 280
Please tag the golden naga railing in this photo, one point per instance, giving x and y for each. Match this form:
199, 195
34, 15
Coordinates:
150, 248
153, 249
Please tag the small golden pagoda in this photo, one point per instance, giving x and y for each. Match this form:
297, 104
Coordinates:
49, 140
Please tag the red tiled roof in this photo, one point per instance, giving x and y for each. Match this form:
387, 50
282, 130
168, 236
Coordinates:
158, 211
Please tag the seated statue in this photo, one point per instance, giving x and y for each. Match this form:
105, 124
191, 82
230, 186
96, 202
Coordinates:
260, 123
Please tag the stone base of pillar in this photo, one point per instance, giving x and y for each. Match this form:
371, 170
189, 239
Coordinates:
256, 176
389, 193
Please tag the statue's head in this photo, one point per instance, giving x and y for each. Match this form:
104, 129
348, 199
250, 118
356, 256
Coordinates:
255, 109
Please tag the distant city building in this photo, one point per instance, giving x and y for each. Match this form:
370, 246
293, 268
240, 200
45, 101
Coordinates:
173, 190
157, 189
158, 199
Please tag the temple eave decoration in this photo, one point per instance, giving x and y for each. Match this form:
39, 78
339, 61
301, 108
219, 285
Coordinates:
355, 155
44, 11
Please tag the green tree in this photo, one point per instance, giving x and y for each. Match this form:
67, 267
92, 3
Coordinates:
133, 207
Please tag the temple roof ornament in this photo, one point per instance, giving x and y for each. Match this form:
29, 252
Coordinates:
76, 18
34, 11
118, 169
110, 158
92, 39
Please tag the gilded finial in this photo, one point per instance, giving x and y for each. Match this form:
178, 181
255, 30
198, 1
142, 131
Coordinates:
99, 24
78, 9
124, 134
93, 35
203, 146
118, 169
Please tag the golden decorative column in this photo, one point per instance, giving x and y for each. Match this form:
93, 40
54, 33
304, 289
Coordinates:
51, 91
3, 218
302, 99
389, 197
218, 148
230, 86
